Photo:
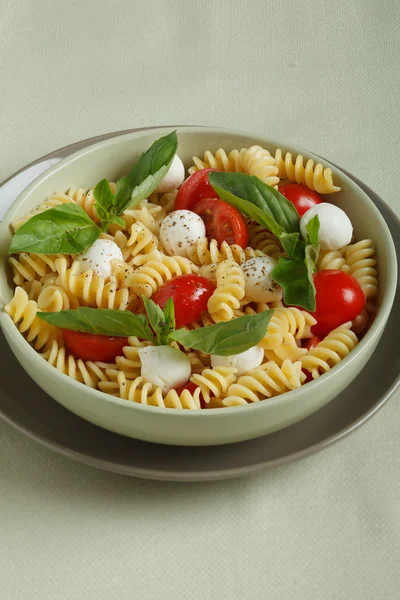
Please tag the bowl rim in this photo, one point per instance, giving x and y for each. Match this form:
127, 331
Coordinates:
375, 329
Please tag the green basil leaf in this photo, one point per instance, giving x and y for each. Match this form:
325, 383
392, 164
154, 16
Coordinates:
101, 321
293, 245
239, 189
155, 314
225, 339
64, 229
105, 200
162, 321
147, 174
312, 228
113, 219
169, 315
293, 276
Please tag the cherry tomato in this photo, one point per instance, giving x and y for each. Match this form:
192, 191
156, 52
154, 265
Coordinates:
339, 299
90, 346
299, 195
195, 188
223, 222
190, 294
310, 343
191, 387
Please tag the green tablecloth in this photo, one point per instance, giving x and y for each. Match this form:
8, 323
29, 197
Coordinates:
321, 74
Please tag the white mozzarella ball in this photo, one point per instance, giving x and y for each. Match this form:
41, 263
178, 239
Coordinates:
164, 366
180, 230
98, 257
243, 362
174, 178
335, 228
260, 286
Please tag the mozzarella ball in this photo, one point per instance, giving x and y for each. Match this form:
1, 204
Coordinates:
180, 230
335, 228
98, 257
174, 178
260, 286
243, 362
164, 366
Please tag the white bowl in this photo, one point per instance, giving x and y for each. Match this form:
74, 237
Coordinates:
112, 158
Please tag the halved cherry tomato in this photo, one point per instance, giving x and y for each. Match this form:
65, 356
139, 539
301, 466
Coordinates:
311, 343
190, 294
90, 346
223, 222
195, 188
299, 195
191, 387
339, 299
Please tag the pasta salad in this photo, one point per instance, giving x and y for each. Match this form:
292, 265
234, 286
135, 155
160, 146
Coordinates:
237, 282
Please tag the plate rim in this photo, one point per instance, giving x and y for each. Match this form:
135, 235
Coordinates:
187, 476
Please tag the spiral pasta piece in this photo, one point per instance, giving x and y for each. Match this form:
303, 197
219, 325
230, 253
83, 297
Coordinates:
51, 202
166, 200
331, 259
361, 265
214, 382
90, 288
314, 177
87, 372
230, 290
23, 313
205, 252
148, 213
336, 346
52, 298
138, 246
255, 161
153, 274
30, 266
130, 363
264, 382
263, 240
143, 392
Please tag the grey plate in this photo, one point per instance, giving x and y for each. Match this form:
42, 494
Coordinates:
25, 406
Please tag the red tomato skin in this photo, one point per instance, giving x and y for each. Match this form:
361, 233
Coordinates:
223, 222
299, 195
195, 188
90, 346
310, 343
339, 299
190, 294
192, 387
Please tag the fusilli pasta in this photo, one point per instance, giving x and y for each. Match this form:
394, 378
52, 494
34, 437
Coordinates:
314, 177
325, 355
230, 290
23, 313
254, 161
361, 264
264, 382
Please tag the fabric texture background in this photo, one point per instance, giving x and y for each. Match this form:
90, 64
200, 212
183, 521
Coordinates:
323, 75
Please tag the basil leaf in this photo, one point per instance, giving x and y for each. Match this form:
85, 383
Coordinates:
312, 228
64, 229
113, 219
293, 245
169, 315
295, 278
105, 200
155, 314
270, 208
101, 321
225, 339
162, 321
147, 174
